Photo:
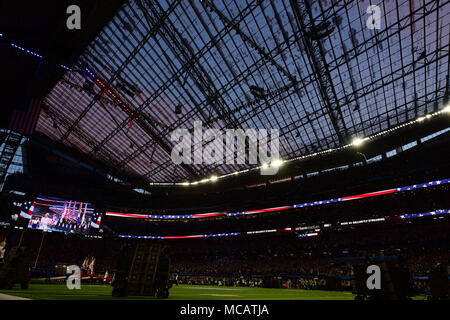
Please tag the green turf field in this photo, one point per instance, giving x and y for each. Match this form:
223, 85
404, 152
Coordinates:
182, 292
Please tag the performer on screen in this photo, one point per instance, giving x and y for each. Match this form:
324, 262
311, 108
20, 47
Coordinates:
45, 221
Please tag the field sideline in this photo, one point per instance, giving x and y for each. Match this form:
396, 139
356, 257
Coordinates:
182, 292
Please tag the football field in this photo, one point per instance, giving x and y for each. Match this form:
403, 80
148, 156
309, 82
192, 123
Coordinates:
181, 292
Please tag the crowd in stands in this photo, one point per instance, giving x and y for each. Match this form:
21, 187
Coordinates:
329, 252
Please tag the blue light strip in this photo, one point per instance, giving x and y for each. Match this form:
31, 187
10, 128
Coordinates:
35, 54
26, 50
425, 214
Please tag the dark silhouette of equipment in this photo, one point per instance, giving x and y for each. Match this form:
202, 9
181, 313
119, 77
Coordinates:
439, 283
321, 31
258, 92
178, 108
271, 282
127, 87
332, 283
15, 269
142, 270
120, 279
359, 285
395, 281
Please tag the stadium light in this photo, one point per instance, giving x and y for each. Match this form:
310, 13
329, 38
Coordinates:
213, 178
276, 163
358, 141
420, 119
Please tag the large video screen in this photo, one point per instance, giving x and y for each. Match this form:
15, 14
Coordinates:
54, 214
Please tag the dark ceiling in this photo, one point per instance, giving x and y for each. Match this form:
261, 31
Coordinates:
40, 26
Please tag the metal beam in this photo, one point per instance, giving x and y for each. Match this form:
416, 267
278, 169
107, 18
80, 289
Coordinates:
314, 49
160, 22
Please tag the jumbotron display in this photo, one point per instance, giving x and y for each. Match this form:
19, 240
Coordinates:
55, 214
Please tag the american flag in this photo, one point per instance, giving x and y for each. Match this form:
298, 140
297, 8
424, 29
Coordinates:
26, 211
24, 121
96, 219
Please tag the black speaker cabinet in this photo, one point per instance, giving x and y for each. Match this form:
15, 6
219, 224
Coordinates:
144, 273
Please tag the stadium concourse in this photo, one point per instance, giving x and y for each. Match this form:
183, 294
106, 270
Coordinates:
225, 150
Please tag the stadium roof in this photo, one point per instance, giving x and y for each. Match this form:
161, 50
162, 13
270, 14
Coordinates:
314, 70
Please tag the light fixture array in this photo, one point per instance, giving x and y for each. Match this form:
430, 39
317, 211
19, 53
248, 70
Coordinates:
356, 142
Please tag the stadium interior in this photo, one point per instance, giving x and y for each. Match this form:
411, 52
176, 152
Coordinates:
357, 91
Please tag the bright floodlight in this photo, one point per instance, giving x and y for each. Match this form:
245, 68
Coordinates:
265, 165
446, 109
358, 141
420, 119
213, 178
277, 163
